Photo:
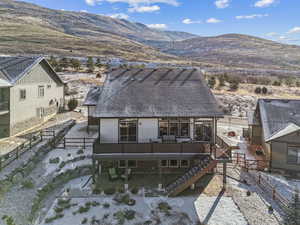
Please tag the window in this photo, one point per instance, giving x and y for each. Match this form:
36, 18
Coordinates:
184, 163
48, 86
41, 91
128, 130
174, 163
22, 94
164, 163
293, 156
176, 127
203, 130
131, 164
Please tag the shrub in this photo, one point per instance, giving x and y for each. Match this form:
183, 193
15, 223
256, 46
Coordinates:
80, 151
129, 214
120, 216
72, 104
164, 206
62, 164
234, 85
57, 216
97, 191
109, 191
84, 209
276, 83
257, 90
264, 90
54, 160
28, 184
134, 190
8, 220
84, 221
105, 216
120, 189
106, 205
211, 82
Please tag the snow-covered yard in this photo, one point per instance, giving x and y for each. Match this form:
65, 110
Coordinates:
219, 210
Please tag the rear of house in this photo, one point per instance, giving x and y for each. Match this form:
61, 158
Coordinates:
275, 125
154, 121
34, 94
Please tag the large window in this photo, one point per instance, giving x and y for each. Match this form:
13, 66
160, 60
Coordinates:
203, 130
22, 94
293, 155
128, 130
176, 127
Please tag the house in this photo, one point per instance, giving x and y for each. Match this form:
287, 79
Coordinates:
275, 125
30, 92
155, 121
90, 102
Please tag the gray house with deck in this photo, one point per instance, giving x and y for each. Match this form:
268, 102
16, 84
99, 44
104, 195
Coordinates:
275, 124
30, 93
155, 121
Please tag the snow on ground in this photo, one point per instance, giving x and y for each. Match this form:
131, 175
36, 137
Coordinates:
283, 185
181, 211
80, 131
219, 210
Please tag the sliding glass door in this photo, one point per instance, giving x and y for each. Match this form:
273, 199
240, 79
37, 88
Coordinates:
128, 130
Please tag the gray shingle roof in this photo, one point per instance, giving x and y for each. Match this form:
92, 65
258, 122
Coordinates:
13, 68
92, 96
156, 93
277, 114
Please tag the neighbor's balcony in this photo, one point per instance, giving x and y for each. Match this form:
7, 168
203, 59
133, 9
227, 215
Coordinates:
153, 151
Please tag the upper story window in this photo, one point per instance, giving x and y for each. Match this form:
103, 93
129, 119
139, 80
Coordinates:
293, 156
128, 130
48, 86
174, 126
203, 130
41, 91
22, 94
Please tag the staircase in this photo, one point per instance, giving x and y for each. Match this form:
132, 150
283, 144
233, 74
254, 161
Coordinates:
191, 176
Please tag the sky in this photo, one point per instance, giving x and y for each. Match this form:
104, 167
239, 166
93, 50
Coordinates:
277, 20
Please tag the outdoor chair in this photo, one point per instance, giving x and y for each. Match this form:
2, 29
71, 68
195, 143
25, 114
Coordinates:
123, 176
113, 174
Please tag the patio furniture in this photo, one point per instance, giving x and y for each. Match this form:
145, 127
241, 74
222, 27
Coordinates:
123, 176
113, 174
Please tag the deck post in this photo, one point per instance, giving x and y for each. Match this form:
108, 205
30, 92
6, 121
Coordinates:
160, 175
126, 176
224, 175
93, 171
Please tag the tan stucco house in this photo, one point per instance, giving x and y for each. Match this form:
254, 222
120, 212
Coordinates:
30, 92
275, 124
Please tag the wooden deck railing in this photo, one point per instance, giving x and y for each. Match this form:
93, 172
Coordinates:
13, 155
76, 143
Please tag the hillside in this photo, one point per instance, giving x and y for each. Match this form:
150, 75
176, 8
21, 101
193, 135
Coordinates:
35, 30
235, 50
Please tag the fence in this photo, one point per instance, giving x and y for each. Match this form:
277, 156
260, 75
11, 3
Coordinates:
13, 155
249, 164
76, 143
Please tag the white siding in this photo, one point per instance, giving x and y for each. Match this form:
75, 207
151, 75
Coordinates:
147, 129
109, 130
22, 110
192, 128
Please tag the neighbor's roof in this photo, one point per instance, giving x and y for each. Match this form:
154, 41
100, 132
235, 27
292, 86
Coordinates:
92, 96
156, 93
4, 83
289, 129
277, 115
14, 68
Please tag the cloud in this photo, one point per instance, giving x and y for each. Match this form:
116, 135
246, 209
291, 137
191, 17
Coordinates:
213, 20
272, 34
253, 16
294, 30
119, 16
160, 26
189, 21
83, 11
264, 3
144, 9
134, 2
222, 4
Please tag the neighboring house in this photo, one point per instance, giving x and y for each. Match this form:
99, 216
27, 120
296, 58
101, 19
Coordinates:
154, 120
275, 124
90, 102
30, 92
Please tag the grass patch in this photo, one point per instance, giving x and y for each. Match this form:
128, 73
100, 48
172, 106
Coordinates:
51, 219
28, 184
54, 160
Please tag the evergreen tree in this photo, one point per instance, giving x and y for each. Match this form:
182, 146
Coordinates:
211, 82
293, 211
64, 63
52, 61
75, 63
90, 64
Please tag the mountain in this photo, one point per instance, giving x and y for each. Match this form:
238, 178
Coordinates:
35, 29
235, 50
